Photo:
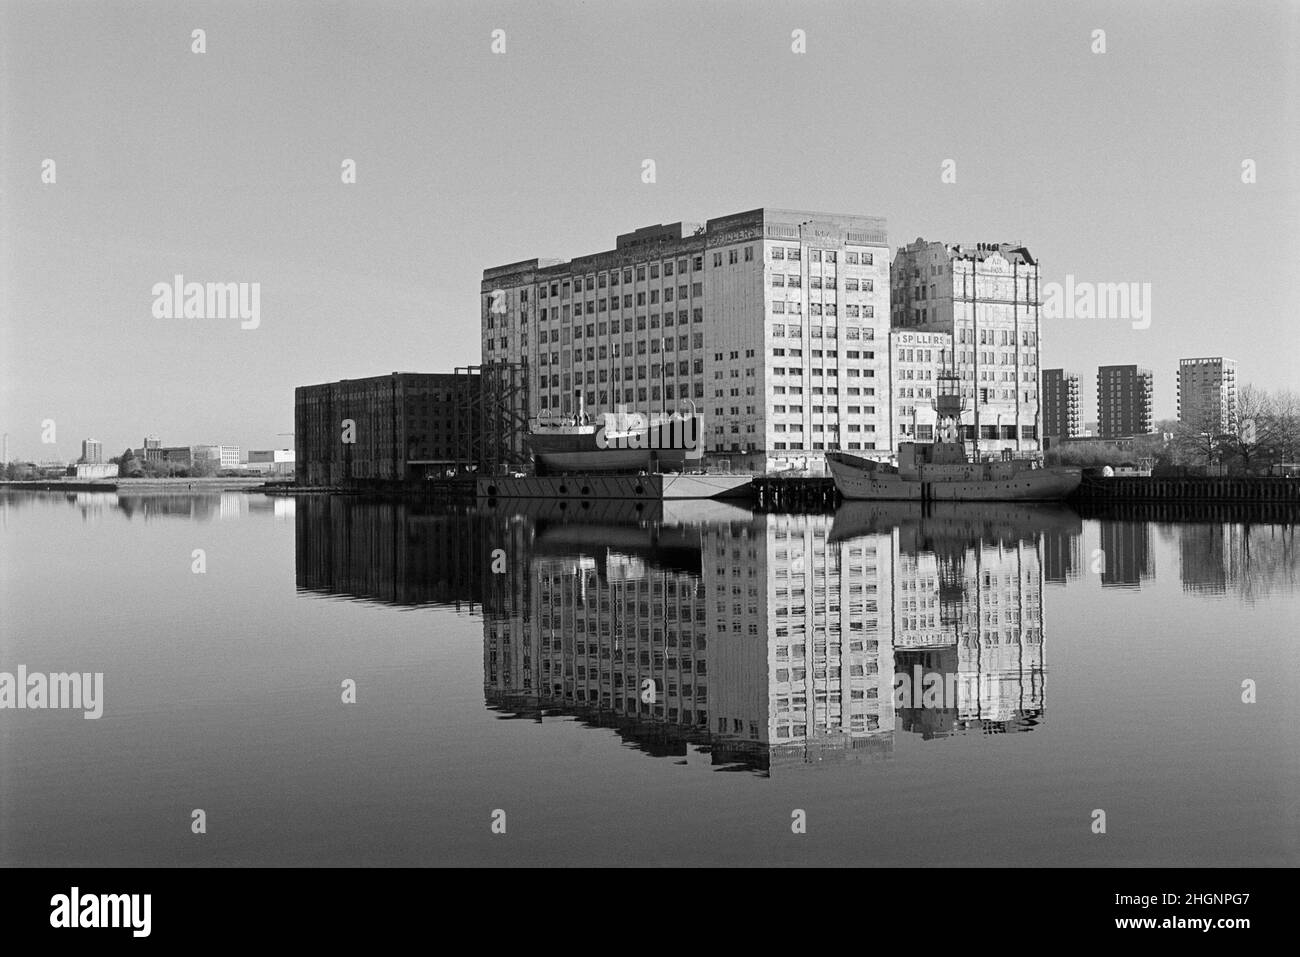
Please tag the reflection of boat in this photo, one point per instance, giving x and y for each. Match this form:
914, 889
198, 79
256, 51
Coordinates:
991, 521
621, 441
945, 470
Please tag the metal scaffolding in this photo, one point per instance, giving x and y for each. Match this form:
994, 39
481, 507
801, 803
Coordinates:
492, 417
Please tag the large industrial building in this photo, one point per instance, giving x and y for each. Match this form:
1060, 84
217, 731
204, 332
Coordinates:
771, 322
985, 299
1207, 393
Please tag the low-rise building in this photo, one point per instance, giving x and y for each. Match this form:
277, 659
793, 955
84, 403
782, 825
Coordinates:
93, 470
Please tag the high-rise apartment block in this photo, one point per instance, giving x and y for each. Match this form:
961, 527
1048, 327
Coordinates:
772, 323
1124, 401
985, 297
1060, 399
92, 451
1207, 393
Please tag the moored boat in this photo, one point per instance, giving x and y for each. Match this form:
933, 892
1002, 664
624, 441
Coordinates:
944, 470
623, 442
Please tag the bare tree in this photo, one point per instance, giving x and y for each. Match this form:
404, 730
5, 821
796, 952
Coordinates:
1286, 426
1250, 429
1199, 438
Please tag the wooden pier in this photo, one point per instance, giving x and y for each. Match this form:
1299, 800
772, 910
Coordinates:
774, 493
1246, 490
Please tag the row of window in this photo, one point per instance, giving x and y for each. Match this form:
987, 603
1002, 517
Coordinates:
795, 281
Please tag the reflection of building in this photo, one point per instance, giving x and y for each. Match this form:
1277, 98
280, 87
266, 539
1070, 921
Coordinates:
985, 298
396, 552
725, 638
772, 321
1124, 401
968, 621
799, 636
1061, 555
1207, 393
757, 638
1126, 547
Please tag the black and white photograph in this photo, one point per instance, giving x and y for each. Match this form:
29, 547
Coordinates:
666, 435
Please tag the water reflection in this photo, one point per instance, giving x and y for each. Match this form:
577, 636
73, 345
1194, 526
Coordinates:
706, 632
756, 641
158, 503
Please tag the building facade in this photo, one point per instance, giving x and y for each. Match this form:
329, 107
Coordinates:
92, 451
986, 298
1124, 401
770, 322
1207, 393
915, 360
1062, 416
397, 427
225, 456
279, 462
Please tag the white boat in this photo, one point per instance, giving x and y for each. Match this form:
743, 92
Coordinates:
944, 470
623, 442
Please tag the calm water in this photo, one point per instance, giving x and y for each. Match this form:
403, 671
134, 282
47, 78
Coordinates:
1081, 664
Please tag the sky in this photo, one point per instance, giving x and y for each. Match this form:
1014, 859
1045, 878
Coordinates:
226, 166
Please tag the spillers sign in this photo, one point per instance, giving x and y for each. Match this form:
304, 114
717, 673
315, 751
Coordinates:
740, 235
918, 338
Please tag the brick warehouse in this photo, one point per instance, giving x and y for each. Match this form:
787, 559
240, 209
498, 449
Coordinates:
405, 426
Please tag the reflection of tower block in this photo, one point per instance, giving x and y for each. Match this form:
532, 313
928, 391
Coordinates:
948, 406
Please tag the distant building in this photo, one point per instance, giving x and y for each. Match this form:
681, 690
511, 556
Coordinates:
393, 428
986, 297
93, 470
173, 454
152, 449
271, 461
92, 451
1124, 401
1061, 415
226, 456
271, 455
1207, 393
